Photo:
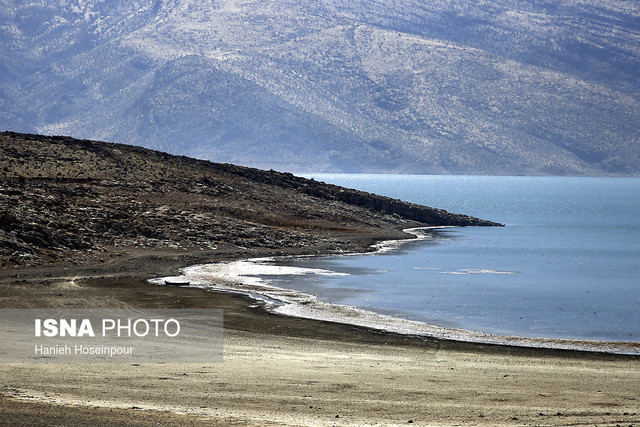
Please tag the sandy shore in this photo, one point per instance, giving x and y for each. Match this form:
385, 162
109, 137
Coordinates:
287, 371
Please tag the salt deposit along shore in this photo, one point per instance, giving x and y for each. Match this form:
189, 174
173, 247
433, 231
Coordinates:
250, 277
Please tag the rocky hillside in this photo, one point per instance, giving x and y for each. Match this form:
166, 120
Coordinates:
455, 86
68, 199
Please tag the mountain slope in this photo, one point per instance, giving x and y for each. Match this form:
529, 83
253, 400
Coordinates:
63, 198
457, 86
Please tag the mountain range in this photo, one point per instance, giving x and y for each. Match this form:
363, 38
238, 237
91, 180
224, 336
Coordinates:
458, 86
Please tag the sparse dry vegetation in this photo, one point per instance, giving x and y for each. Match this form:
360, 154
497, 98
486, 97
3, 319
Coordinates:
80, 200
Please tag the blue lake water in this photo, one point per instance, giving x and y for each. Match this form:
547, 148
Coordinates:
565, 266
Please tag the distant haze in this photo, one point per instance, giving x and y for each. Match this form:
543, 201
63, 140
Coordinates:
439, 86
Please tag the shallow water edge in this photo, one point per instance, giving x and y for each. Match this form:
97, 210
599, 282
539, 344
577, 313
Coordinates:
245, 277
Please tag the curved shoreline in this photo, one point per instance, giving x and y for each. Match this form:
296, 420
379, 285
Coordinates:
239, 277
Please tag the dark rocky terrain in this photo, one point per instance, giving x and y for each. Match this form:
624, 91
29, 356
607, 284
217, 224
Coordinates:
77, 201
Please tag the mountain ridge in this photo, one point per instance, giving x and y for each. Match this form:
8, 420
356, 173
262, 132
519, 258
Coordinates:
526, 87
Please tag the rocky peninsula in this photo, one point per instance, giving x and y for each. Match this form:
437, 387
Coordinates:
86, 201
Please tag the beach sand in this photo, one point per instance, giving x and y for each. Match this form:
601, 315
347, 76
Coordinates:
287, 371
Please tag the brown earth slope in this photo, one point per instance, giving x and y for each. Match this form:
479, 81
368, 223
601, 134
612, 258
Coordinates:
78, 199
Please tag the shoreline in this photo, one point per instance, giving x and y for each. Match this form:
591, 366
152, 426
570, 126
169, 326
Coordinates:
281, 370
240, 277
